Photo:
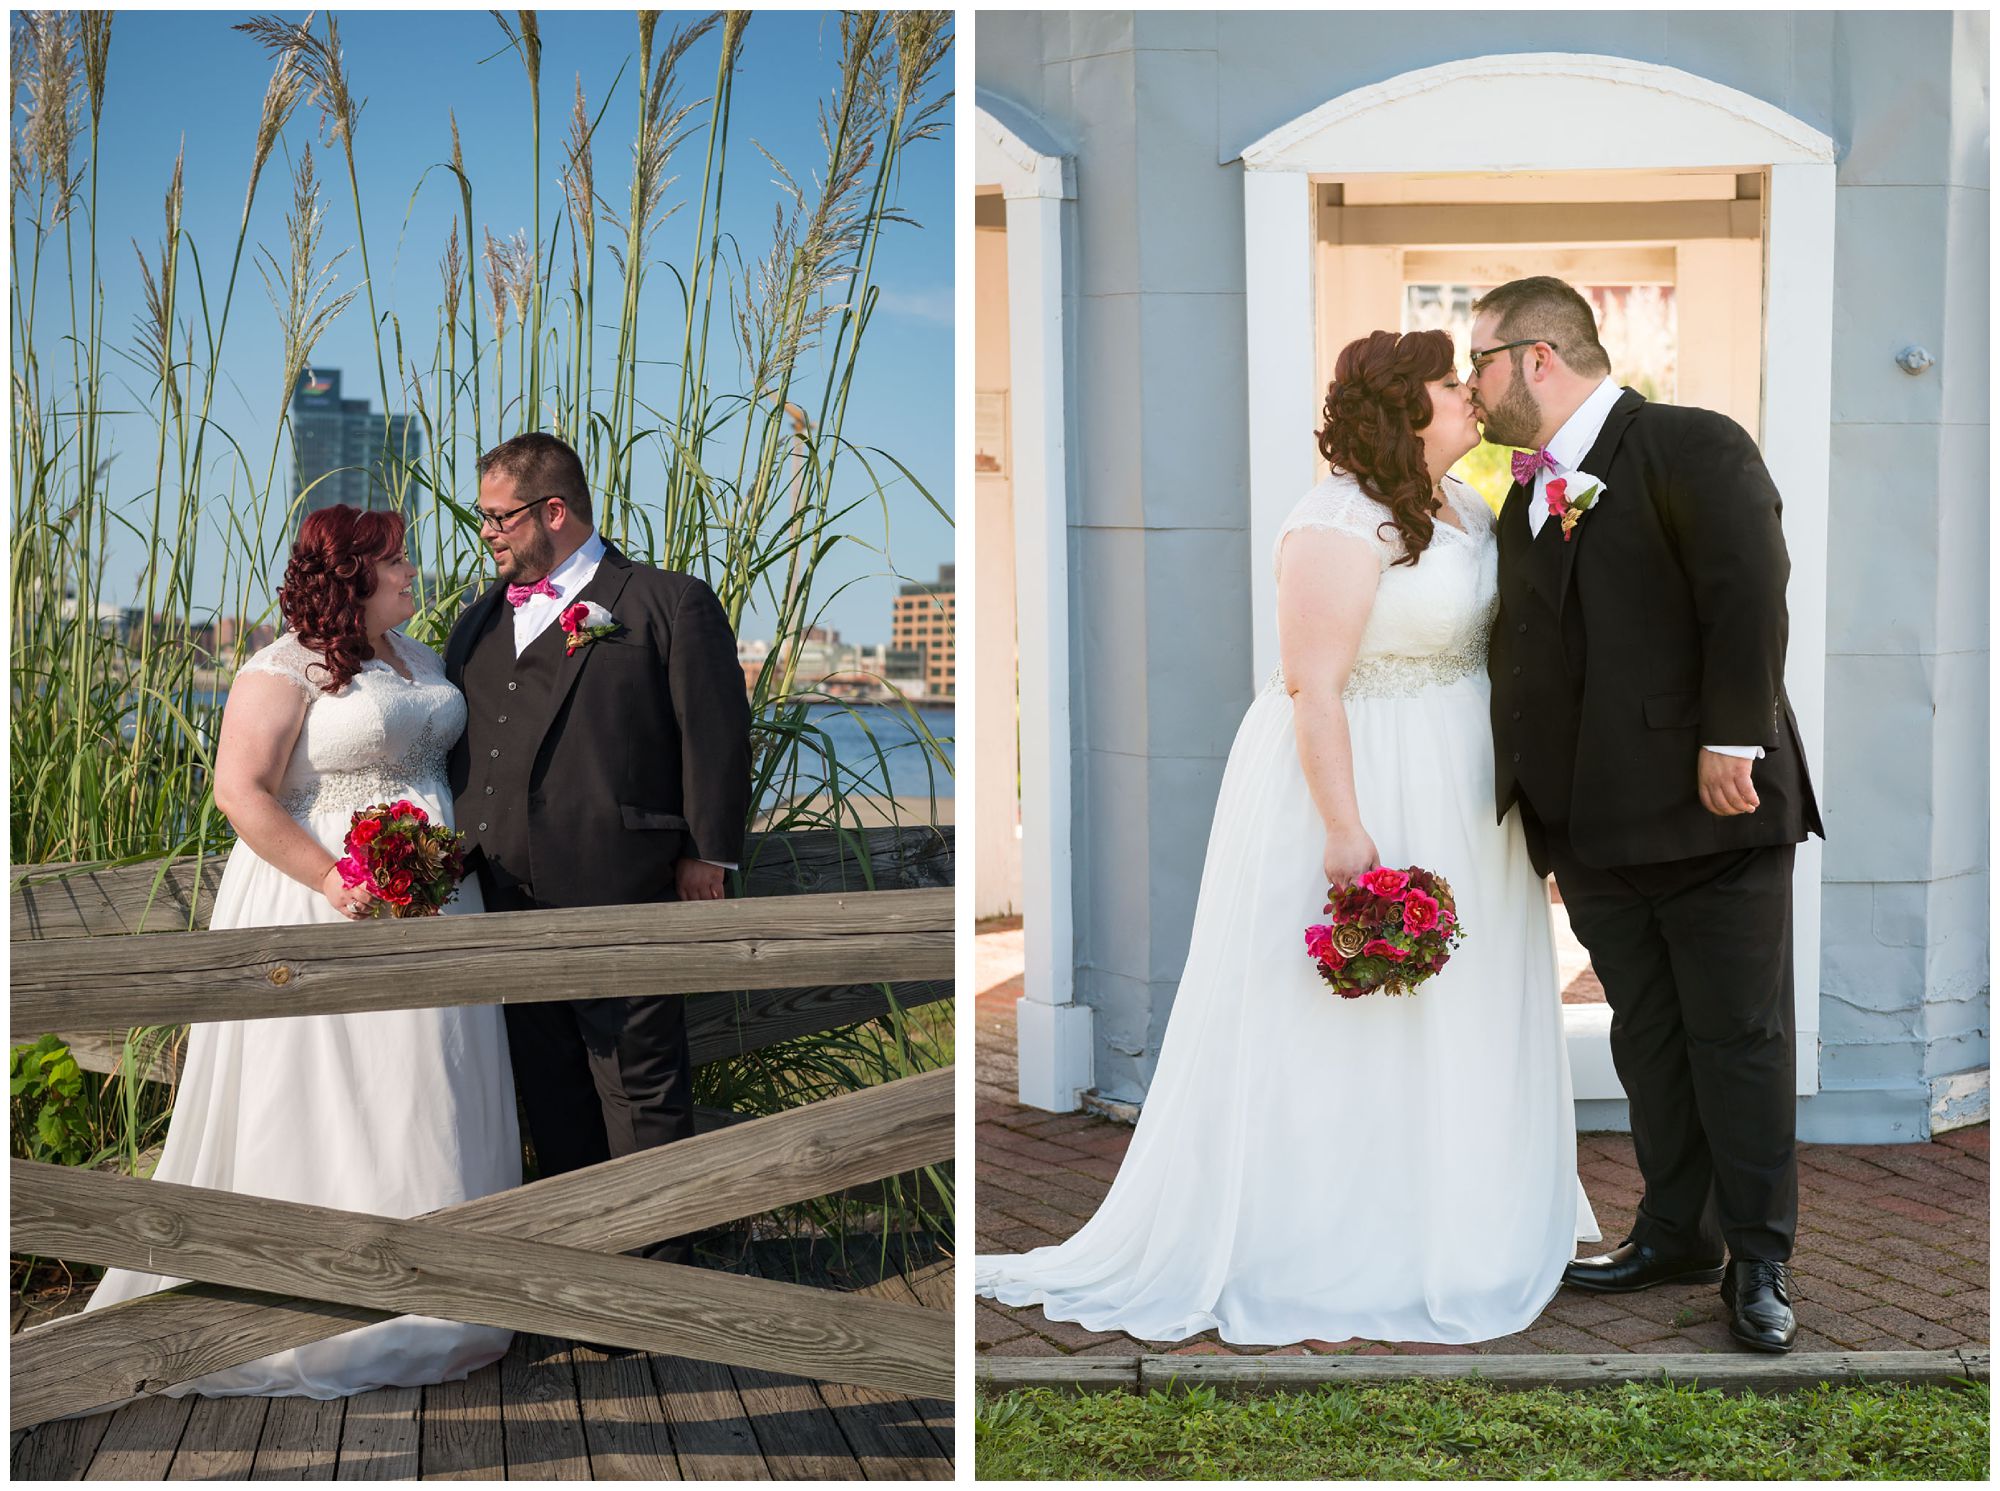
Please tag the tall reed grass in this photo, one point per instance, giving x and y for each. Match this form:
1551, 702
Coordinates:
113, 724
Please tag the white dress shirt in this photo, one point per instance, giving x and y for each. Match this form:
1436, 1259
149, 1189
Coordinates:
1568, 447
538, 613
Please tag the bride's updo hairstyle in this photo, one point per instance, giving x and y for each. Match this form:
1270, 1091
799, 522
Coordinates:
1375, 406
328, 582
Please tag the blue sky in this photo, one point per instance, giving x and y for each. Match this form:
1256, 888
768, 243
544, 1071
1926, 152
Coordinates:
188, 73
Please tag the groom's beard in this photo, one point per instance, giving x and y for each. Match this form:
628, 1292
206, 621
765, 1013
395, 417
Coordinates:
1516, 419
527, 559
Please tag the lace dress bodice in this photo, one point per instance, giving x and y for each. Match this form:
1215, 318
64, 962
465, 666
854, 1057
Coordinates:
380, 738
1431, 620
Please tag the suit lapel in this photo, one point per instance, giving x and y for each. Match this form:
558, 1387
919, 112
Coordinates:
1598, 464
465, 636
613, 570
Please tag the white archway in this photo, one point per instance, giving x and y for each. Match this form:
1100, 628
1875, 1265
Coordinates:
1590, 113
1036, 178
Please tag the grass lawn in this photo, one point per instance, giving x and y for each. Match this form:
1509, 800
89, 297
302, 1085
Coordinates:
1463, 1430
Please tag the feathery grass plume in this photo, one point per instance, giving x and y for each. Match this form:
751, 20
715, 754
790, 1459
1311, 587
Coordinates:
156, 331
51, 76
498, 263
298, 288
20, 57
579, 182
282, 94
734, 24
518, 257
923, 41
660, 135
450, 267
321, 64
96, 58
528, 42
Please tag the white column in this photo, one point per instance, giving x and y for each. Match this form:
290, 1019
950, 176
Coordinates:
1056, 1065
1284, 404
1798, 410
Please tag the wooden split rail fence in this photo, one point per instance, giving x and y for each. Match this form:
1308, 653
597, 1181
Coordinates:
547, 1257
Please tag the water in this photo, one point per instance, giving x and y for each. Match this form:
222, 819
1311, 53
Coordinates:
912, 771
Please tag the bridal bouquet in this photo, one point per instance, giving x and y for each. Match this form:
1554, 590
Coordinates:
1391, 930
409, 864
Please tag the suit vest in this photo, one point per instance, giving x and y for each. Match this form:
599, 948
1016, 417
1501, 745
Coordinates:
1537, 700
506, 708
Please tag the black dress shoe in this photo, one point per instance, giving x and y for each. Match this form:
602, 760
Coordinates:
1632, 1266
1759, 1295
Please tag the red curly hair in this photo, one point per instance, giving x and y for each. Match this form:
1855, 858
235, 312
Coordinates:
1375, 406
329, 580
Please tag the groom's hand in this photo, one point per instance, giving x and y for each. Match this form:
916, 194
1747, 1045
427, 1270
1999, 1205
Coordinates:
1725, 785
697, 880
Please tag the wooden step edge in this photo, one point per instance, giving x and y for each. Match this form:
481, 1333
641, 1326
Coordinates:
1064, 1374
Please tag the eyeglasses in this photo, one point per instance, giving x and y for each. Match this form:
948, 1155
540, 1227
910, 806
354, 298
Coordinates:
1480, 358
501, 522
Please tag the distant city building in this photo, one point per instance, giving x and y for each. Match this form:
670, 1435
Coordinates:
338, 445
229, 630
922, 624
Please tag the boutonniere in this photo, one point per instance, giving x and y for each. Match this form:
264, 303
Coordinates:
1570, 497
584, 623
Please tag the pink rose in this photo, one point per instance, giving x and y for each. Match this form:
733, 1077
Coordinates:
363, 833
1420, 913
572, 617
1319, 942
402, 807
1380, 948
1386, 882
1557, 492
351, 873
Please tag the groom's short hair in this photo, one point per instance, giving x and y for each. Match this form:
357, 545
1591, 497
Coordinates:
541, 462
1551, 311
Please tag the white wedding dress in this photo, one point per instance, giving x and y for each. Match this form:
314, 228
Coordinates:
1308, 1167
393, 1113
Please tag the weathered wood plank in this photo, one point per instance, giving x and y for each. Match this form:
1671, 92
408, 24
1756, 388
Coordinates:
54, 901
461, 1435
220, 1441
61, 1451
1729, 1372
624, 1423
1066, 1374
381, 1434
427, 1268
301, 1440
710, 1425
798, 1434
504, 957
539, 1413
939, 1414
142, 1439
886, 1431
154, 1341
159, 1340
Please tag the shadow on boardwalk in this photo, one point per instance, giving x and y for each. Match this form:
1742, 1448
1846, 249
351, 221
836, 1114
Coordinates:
550, 1410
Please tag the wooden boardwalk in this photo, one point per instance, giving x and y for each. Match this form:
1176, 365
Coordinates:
550, 1410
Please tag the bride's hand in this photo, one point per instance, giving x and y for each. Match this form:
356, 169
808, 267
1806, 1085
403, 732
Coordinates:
1350, 853
351, 901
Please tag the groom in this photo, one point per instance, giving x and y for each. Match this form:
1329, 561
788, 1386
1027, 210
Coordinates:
1640, 722
610, 772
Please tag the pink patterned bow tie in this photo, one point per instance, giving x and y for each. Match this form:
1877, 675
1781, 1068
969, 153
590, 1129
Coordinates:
517, 595
1526, 464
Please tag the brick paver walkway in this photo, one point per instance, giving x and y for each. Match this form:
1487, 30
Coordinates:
1891, 1249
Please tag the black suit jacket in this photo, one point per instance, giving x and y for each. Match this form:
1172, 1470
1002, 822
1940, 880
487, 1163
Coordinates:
641, 745
1658, 628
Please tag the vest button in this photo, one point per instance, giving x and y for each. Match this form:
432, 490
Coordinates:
494, 752
1517, 670
511, 686
1517, 715
1522, 627
503, 719
482, 828
1517, 762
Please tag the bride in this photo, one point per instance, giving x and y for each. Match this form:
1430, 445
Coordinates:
392, 1113
1389, 1168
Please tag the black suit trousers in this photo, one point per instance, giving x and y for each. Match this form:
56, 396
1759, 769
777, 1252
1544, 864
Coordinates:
599, 1078
1695, 956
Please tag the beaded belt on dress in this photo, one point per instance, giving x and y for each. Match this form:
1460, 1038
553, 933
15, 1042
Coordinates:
350, 791
1390, 676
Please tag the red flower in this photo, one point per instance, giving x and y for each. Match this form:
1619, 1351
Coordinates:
1319, 943
1557, 492
1381, 948
572, 617
1387, 882
1420, 913
402, 807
